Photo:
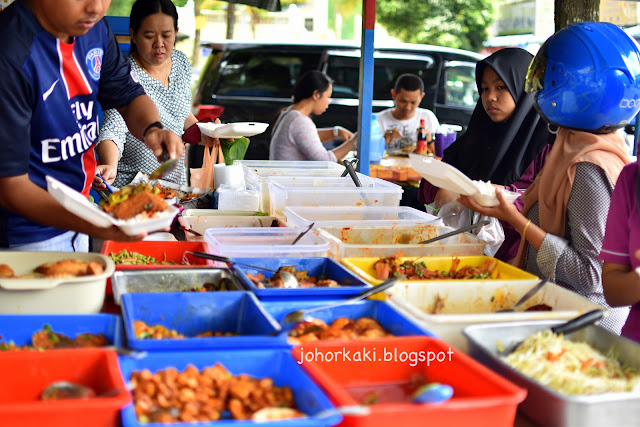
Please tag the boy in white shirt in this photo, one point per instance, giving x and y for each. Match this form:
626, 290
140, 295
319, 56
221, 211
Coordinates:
399, 125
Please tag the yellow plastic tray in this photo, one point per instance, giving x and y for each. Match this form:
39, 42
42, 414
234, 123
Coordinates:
363, 266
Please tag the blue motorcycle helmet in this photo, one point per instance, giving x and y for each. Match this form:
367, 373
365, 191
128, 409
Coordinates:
587, 77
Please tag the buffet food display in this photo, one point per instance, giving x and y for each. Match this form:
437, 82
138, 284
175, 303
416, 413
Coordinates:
195, 340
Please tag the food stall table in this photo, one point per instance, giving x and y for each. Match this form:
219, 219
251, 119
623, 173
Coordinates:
398, 169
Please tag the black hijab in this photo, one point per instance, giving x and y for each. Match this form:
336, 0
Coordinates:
501, 152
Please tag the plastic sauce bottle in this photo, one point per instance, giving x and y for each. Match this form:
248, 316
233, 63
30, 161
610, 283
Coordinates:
421, 147
377, 145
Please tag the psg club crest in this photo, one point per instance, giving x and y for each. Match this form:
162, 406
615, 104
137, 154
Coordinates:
94, 62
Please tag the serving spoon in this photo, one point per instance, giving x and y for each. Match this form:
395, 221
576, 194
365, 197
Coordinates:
288, 279
525, 297
458, 231
276, 413
62, 390
297, 316
166, 167
566, 328
303, 233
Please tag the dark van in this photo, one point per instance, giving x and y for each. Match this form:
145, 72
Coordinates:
253, 81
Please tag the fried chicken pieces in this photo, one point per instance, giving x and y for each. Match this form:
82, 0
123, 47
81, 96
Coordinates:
133, 200
55, 270
69, 268
6, 272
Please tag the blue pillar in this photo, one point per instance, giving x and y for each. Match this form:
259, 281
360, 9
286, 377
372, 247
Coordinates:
365, 108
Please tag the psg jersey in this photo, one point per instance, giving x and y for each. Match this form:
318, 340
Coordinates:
49, 92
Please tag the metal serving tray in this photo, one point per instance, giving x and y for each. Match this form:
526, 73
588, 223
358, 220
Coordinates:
173, 280
546, 406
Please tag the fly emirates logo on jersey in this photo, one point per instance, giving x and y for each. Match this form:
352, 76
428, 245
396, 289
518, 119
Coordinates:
55, 149
77, 88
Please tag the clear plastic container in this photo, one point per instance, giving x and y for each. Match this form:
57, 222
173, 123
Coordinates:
264, 242
342, 216
377, 145
257, 175
367, 241
238, 199
314, 192
199, 224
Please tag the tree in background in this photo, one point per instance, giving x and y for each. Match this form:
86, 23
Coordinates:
569, 12
461, 24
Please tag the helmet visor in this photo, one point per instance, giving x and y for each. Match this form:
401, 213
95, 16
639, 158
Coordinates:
535, 74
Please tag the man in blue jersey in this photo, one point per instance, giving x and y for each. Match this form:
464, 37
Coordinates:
58, 60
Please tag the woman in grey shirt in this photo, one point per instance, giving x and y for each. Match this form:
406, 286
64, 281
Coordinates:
295, 136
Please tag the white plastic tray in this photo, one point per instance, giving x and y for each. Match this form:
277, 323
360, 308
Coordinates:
465, 303
84, 294
232, 130
77, 204
445, 176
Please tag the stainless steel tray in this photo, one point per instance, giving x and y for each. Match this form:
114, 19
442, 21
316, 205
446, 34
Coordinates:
544, 405
170, 280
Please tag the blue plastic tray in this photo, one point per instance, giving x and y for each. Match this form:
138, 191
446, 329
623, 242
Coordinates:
275, 363
388, 317
352, 284
20, 327
191, 313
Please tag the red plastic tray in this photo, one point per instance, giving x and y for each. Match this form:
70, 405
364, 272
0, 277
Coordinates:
25, 374
481, 397
161, 251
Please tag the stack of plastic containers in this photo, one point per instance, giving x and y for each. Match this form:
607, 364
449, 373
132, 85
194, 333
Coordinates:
195, 222
257, 172
346, 216
331, 192
255, 242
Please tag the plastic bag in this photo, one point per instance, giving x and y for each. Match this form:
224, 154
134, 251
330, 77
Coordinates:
203, 177
456, 215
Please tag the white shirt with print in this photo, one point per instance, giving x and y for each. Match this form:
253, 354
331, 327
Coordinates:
409, 127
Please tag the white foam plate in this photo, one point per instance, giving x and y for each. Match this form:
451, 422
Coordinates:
77, 204
445, 176
232, 130
491, 199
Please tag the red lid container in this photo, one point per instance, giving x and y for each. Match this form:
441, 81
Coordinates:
25, 375
379, 373
161, 251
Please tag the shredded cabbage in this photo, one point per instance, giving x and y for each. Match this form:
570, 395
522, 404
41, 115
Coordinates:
571, 367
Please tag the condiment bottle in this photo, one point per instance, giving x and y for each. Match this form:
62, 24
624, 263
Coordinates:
421, 147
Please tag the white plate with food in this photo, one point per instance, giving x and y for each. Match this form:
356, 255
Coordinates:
79, 205
232, 130
445, 176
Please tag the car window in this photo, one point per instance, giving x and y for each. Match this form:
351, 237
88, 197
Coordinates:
262, 74
460, 83
345, 71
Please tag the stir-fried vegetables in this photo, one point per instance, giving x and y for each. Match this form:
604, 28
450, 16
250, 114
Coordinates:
571, 367
134, 258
